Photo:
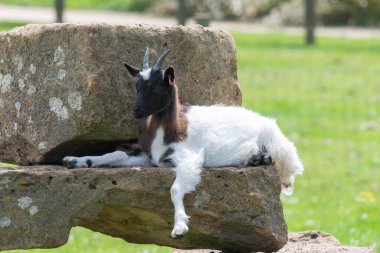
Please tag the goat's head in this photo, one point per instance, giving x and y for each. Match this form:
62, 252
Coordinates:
154, 86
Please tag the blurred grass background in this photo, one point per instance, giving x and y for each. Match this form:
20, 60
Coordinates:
326, 98
5, 26
115, 5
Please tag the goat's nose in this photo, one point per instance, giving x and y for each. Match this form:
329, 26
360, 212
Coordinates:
137, 112
136, 109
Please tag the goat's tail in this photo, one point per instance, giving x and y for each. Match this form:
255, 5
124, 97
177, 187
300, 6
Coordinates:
283, 153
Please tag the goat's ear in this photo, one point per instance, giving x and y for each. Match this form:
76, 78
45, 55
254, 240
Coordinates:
169, 75
132, 70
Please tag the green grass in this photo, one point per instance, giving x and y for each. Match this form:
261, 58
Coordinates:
116, 5
5, 26
82, 240
327, 100
7, 165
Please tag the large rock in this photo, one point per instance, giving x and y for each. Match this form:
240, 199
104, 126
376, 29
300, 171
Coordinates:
64, 89
235, 210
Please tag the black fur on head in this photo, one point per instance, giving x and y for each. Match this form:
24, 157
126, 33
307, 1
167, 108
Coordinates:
154, 86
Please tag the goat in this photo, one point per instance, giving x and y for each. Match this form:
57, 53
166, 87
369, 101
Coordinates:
192, 137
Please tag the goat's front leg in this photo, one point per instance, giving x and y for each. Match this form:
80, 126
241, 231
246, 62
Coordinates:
188, 170
114, 159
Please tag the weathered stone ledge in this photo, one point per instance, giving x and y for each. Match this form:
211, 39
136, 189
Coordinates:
235, 210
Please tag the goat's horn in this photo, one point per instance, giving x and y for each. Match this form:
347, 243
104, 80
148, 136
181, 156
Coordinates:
146, 60
162, 58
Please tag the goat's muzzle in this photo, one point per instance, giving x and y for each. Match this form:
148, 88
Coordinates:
138, 113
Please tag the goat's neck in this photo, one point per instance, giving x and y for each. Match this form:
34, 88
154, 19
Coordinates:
171, 112
172, 120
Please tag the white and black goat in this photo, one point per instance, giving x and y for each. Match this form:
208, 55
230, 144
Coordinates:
192, 137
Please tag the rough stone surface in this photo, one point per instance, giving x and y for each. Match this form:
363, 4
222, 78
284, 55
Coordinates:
235, 210
305, 242
64, 89
318, 242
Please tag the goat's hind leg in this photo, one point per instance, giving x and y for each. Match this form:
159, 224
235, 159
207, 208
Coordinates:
261, 158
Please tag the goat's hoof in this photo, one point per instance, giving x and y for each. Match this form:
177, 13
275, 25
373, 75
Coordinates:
70, 162
267, 159
262, 158
255, 160
180, 228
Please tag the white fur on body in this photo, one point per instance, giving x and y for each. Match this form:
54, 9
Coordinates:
216, 136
